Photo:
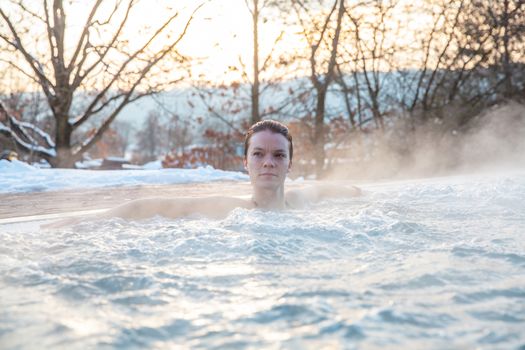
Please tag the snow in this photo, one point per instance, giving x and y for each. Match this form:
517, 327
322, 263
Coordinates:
32, 143
44, 135
17, 176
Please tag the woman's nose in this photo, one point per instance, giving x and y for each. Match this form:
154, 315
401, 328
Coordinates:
268, 161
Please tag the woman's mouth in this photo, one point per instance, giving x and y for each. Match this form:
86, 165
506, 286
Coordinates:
267, 174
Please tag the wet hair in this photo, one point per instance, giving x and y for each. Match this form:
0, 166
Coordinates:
271, 125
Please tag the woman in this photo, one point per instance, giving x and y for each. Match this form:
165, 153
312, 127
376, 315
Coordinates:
268, 152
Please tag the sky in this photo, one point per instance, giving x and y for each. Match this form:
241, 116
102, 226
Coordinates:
221, 31
20, 177
220, 35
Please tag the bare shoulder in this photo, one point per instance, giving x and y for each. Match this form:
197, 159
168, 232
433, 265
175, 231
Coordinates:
296, 199
301, 197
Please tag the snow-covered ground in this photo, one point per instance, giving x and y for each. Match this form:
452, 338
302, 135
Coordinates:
17, 176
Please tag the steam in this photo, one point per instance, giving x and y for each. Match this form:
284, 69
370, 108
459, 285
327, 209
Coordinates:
494, 140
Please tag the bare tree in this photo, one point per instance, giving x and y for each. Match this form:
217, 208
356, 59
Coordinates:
373, 52
469, 54
151, 138
244, 96
92, 75
497, 28
322, 37
440, 53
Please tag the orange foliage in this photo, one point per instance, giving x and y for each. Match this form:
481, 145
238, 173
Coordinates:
221, 154
107, 145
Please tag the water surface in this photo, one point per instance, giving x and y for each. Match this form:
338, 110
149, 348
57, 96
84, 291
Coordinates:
431, 264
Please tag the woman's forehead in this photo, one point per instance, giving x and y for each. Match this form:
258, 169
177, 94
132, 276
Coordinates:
268, 140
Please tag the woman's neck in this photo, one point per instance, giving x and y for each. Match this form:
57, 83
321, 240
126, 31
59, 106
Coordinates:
269, 199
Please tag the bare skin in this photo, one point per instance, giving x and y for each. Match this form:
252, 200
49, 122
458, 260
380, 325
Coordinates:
267, 162
219, 207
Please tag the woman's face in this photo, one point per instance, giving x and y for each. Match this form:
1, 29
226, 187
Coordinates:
268, 159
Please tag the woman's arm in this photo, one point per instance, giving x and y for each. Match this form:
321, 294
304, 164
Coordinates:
211, 207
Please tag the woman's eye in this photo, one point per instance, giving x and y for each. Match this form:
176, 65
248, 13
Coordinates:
281, 155
257, 154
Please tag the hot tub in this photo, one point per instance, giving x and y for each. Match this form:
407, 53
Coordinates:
428, 264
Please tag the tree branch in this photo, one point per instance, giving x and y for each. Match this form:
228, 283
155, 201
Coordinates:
33, 62
17, 132
128, 96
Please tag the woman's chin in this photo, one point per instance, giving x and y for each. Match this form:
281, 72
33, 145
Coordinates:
268, 184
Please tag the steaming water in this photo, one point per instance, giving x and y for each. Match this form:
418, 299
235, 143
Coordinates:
430, 265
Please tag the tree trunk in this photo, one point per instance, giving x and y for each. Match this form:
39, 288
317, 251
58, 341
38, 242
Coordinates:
322, 90
255, 86
377, 112
64, 156
507, 70
319, 139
